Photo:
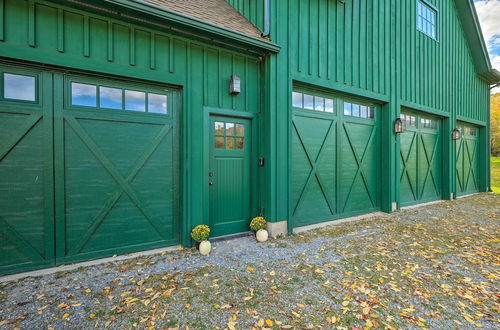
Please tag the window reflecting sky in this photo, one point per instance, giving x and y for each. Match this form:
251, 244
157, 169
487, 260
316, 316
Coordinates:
19, 87
83, 94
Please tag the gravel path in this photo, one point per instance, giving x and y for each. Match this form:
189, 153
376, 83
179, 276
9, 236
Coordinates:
432, 267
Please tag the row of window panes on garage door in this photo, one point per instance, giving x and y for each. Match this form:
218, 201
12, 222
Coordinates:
324, 104
411, 120
103, 97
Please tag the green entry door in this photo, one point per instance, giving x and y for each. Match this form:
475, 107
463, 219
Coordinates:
26, 177
335, 158
467, 149
420, 159
229, 175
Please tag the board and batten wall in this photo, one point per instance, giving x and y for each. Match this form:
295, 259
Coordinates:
48, 33
371, 49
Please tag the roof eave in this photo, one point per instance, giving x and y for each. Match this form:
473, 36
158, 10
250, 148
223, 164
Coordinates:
491, 77
474, 35
188, 26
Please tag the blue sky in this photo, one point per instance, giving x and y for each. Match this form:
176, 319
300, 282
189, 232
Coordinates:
489, 16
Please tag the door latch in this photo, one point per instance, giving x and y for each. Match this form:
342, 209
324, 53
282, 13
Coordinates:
210, 174
210, 183
261, 161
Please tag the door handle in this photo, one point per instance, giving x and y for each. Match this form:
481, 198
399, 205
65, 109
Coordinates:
210, 183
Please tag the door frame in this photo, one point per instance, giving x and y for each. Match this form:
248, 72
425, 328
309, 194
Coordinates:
254, 152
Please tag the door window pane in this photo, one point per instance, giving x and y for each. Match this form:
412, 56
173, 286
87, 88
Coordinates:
329, 105
84, 95
347, 109
319, 103
363, 112
219, 128
157, 103
135, 101
229, 129
308, 102
239, 143
240, 130
19, 87
110, 98
219, 142
230, 142
355, 110
297, 99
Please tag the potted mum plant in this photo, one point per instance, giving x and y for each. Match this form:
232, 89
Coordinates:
258, 225
200, 234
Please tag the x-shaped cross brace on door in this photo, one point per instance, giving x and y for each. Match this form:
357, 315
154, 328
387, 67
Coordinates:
429, 161
405, 160
359, 163
124, 183
313, 172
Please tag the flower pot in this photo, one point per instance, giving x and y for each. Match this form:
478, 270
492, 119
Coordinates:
262, 235
204, 247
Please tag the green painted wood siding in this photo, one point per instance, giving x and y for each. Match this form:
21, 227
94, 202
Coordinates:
369, 48
45, 32
351, 43
253, 10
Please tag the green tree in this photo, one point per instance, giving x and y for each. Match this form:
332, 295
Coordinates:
495, 124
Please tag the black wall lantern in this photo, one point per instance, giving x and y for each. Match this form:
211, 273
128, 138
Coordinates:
399, 126
456, 134
235, 85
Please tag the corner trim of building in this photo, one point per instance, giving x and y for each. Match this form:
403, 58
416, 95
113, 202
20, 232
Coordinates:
65, 268
276, 229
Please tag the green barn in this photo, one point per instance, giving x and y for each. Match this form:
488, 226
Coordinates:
125, 123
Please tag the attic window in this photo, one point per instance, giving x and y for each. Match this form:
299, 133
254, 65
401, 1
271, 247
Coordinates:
426, 18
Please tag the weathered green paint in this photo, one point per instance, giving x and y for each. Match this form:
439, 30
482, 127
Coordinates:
229, 176
335, 165
421, 162
467, 158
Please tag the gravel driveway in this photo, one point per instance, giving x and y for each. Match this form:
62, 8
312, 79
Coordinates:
431, 267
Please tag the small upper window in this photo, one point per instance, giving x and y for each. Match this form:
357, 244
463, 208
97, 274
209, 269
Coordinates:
426, 19
104, 97
311, 102
19, 87
428, 123
358, 110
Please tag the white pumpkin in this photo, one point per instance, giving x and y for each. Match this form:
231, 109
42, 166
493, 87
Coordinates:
205, 248
262, 235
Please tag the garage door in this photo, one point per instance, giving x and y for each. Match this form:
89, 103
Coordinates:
467, 150
335, 158
26, 172
420, 159
109, 183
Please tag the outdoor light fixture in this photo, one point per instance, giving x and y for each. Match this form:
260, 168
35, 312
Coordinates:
456, 134
399, 126
235, 85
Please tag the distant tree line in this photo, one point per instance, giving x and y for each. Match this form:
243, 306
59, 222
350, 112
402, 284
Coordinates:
495, 124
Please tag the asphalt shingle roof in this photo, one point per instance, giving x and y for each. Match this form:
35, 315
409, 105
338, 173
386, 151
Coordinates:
216, 12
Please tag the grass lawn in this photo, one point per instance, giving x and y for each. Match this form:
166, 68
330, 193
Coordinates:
495, 174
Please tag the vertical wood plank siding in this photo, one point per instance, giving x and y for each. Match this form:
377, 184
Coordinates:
354, 36
369, 48
65, 36
44, 32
